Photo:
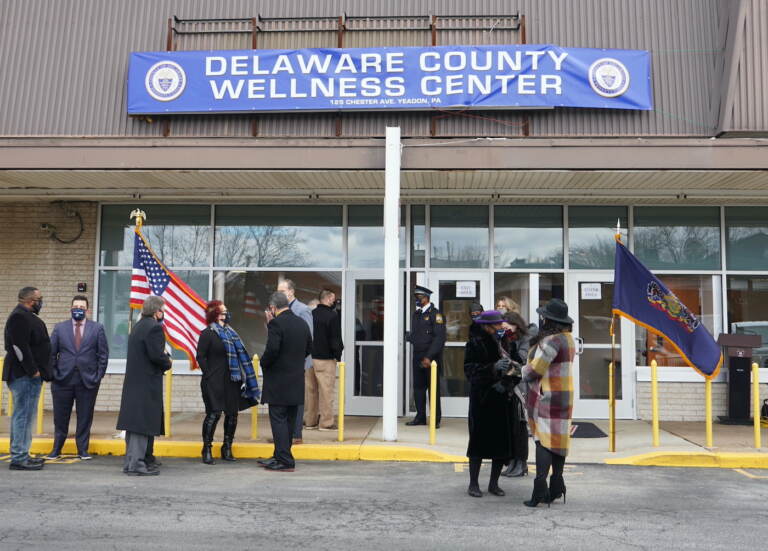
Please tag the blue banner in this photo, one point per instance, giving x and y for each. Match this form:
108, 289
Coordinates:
640, 296
438, 77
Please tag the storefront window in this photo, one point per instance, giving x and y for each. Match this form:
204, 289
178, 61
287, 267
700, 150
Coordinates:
697, 293
678, 238
418, 236
459, 236
528, 236
300, 236
591, 231
551, 286
179, 234
114, 294
748, 311
246, 295
746, 233
365, 236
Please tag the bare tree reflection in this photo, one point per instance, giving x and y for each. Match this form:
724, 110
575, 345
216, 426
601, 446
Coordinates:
679, 245
264, 246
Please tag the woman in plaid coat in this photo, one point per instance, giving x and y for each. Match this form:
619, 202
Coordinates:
549, 399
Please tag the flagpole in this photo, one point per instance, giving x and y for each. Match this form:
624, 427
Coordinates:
140, 216
612, 372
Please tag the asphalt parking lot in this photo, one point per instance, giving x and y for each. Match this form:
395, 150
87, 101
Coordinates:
371, 505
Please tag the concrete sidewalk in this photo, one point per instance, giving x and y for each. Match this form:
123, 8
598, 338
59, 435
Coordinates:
681, 444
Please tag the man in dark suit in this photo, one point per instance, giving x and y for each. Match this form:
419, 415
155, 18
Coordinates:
288, 344
79, 355
27, 364
141, 407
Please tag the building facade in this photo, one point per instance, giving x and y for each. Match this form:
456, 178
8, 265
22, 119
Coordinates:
520, 204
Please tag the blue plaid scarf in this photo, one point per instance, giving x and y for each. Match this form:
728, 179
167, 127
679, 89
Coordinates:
239, 362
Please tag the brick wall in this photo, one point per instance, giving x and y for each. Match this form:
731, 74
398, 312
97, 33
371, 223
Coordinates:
685, 401
29, 257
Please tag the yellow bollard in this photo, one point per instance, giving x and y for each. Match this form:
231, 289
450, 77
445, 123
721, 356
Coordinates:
756, 404
168, 394
2, 360
611, 411
655, 403
10, 402
432, 403
708, 410
40, 409
255, 409
342, 391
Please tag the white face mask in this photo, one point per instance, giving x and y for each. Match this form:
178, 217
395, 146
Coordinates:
502, 309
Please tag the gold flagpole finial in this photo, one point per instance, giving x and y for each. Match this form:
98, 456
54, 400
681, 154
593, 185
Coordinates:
140, 216
618, 229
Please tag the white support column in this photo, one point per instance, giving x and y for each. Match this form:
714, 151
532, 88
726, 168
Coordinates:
392, 303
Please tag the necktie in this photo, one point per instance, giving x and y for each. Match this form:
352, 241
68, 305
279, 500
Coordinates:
78, 334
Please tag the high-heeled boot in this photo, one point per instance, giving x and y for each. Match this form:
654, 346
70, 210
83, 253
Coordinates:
230, 424
556, 488
540, 493
209, 428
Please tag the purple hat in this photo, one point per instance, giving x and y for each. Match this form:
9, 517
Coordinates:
490, 317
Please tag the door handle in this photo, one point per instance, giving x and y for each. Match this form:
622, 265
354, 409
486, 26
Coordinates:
579, 345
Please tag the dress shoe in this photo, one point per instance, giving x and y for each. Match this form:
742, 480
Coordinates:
277, 466
495, 490
26, 465
266, 461
474, 491
414, 422
37, 460
437, 425
85, 456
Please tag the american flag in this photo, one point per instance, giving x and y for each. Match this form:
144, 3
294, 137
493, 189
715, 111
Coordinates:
184, 309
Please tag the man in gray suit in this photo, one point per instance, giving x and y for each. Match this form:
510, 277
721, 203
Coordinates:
79, 354
287, 287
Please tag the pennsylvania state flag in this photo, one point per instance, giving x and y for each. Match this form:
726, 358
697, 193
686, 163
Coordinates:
639, 296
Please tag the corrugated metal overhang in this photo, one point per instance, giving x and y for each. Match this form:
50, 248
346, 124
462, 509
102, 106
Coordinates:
478, 186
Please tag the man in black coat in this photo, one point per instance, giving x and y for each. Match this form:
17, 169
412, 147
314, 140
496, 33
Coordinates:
289, 342
27, 364
141, 407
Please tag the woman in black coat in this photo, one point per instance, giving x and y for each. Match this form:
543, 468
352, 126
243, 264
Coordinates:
220, 392
494, 422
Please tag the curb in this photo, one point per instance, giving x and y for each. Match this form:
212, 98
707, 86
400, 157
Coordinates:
315, 452
723, 460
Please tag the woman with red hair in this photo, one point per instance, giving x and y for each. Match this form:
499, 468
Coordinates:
228, 375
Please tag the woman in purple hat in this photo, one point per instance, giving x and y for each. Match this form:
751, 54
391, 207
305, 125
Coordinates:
493, 417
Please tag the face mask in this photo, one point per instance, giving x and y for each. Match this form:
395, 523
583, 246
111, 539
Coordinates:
161, 319
37, 306
418, 303
500, 333
502, 310
227, 317
78, 314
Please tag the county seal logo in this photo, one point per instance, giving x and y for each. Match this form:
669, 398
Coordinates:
675, 310
165, 81
608, 77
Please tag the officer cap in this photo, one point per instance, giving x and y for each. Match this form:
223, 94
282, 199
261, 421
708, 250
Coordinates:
419, 290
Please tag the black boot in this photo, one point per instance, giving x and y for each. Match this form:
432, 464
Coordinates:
209, 428
540, 493
230, 424
556, 488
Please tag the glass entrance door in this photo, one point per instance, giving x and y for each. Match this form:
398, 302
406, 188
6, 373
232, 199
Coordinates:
364, 342
589, 301
453, 294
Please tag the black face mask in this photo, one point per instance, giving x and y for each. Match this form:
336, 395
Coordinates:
161, 319
227, 318
37, 306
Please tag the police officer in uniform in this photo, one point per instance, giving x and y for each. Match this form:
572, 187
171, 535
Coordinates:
428, 339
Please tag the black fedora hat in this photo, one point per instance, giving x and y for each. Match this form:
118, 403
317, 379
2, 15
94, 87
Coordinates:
489, 317
555, 310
